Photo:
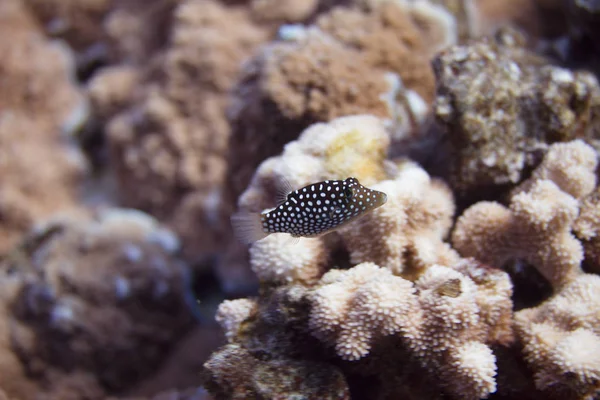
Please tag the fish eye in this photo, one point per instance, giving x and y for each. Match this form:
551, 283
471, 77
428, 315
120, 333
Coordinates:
348, 193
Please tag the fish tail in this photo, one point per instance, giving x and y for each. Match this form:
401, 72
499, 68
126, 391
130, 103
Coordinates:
248, 227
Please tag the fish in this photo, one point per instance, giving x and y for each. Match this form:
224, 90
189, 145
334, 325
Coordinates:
312, 211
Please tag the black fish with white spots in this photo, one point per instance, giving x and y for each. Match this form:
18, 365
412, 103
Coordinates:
311, 211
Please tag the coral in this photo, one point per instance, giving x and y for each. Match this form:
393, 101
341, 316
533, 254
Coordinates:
36, 75
347, 146
560, 335
407, 234
587, 229
112, 89
231, 314
93, 305
327, 70
233, 372
40, 106
78, 22
270, 352
537, 225
134, 30
444, 320
536, 228
357, 307
562, 339
277, 260
502, 106
168, 147
571, 166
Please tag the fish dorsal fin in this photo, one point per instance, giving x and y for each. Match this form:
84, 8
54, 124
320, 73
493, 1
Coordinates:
283, 188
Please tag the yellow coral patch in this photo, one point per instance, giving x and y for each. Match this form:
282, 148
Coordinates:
358, 155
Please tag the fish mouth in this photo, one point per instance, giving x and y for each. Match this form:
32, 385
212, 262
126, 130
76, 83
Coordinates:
383, 198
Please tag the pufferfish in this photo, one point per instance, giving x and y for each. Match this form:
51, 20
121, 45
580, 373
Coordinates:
311, 211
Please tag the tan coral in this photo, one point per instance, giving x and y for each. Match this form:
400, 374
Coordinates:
37, 76
168, 146
40, 106
355, 308
571, 166
443, 320
587, 229
562, 338
454, 331
78, 285
78, 22
279, 259
231, 314
536, 228
112, 89
347, 146
406, 235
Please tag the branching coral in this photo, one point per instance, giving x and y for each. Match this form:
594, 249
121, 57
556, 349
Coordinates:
561, 335
444, 319
571, 166
537, 226
355, 308
232, 313
78, 294
562, 339
277, 259
502, 106
587, 229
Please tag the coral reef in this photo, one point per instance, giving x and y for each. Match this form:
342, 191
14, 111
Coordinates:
478, 278
91, 306
40, 106
418, 281
502, 106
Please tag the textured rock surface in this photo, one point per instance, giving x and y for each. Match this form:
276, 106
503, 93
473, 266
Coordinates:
502, 107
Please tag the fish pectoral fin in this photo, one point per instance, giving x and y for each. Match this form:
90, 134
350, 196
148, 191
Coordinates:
282, 189
248, 227
333, 212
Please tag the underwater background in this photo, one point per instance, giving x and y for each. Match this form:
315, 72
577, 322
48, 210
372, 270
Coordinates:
132, 130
